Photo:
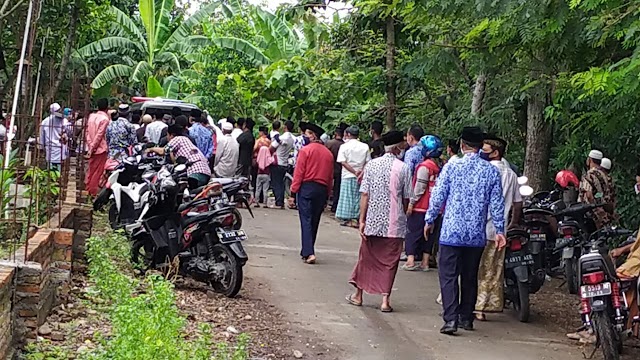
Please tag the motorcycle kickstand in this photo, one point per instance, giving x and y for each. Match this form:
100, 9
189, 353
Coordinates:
562, 284
595, 348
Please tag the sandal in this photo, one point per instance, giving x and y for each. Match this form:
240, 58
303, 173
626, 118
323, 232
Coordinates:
386, 309
310, 261
424, 269
406, 267
350, 300
481, 317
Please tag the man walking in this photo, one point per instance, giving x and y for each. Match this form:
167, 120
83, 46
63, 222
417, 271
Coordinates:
469, 187
226, 163
334, 146
97, 150
491, 271
55, 132
312, 182
385, 189
121, 134
353, 156
282, 146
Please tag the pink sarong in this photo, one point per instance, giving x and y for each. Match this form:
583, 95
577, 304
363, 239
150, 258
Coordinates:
377, 265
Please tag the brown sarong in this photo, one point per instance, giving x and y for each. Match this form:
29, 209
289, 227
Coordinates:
491, 279
377, 265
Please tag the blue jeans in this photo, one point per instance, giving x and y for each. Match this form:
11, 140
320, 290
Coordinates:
277, 183
312, 198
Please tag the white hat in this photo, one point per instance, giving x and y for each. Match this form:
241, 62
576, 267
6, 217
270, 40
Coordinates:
227, 126
55, 107
222, 121
605, 163
596, 154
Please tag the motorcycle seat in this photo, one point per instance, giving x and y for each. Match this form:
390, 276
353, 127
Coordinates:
223, 181
517, 233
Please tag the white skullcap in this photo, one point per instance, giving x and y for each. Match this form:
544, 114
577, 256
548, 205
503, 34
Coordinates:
596, 154
227, 126
55, 107
605, 163
222, 121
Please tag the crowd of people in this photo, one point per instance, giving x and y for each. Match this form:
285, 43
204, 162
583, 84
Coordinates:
410, 196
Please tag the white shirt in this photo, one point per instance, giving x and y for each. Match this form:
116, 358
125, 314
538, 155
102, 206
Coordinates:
226, 162
235, 133
510, 191
153, 131
273, 133
283, 148
355, 153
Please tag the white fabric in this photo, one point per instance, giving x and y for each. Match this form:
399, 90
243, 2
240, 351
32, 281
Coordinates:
605, 163
227, 153
235, 133
510, 191
227, 126
273, 133
596, 154
55, 107
283, 148
356, 154
153, 131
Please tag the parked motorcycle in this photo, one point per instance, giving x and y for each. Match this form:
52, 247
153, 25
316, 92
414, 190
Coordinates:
523, 275
602, 304
203, 245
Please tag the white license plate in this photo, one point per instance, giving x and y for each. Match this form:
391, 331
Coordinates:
591, 291
538, 237
519, 260
231, 236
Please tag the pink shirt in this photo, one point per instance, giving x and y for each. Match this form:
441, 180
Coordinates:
96, 132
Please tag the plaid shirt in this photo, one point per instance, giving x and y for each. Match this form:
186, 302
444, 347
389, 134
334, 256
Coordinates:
182, 146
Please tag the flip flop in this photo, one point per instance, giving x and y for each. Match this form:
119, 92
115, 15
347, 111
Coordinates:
427, 269
405, 267
310, 261
386, 310
352, 302
481, 317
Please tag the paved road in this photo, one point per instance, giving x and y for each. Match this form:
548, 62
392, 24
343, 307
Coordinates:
313, 297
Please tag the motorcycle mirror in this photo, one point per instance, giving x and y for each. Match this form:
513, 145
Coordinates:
523, 180
526, 190
180, 168
181, 160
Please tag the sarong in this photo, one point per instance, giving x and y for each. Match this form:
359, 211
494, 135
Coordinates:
491, 280
377, 265
630, 271
95, 172
349, 200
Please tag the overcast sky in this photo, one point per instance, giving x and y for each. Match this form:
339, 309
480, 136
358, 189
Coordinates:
273, 5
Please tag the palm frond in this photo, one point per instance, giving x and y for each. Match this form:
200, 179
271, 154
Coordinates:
108, 44
244, 47
126, 25
147, 10
170, 59
185, 29
141, 71
111, 73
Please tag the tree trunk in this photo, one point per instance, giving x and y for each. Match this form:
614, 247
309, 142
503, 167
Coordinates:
391, 73
66, 55
478, 95
536, 163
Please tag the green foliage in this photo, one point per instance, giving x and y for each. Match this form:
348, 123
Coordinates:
43, 186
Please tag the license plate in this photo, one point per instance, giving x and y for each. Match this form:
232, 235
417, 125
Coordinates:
591, 291
516, 260
538, 237
231, 236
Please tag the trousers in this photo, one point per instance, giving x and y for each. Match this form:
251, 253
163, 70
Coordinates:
95, 172
262, 187
459, 262
277, 183
312, 198
337, 179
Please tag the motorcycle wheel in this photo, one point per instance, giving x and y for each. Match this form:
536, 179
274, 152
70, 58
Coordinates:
142, 248
232, 283
605, 336
522, 305
113, 216
237, 219
571, 275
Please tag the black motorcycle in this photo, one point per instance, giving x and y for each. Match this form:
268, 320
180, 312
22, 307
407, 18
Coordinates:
203, 245
522, 274
538, 213
602, 304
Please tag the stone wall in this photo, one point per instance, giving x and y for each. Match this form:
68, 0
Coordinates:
29, 286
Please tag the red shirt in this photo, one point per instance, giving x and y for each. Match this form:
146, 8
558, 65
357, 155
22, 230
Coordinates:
315, 163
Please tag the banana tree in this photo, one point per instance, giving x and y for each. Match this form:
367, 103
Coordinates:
148, 54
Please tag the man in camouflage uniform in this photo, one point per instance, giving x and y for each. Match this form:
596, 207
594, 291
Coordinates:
596, 187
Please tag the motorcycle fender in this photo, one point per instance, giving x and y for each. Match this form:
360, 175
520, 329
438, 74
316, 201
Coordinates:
567, 253
598, 304
238, 250
522, 273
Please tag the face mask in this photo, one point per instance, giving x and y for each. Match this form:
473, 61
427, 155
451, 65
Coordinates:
346, 140
484, 155
401, 155
305, 140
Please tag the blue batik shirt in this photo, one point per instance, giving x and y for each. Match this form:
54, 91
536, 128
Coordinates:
468, 189
203, 138
413, 157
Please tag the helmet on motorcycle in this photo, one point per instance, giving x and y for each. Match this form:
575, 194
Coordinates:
432, 146
565, 178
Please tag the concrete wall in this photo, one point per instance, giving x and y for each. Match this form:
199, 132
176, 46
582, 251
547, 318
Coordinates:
29, 287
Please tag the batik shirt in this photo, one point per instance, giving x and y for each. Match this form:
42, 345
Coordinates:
387, 181
298, 143
413, 157
120, 136
470, 188
599, 184
203, 138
